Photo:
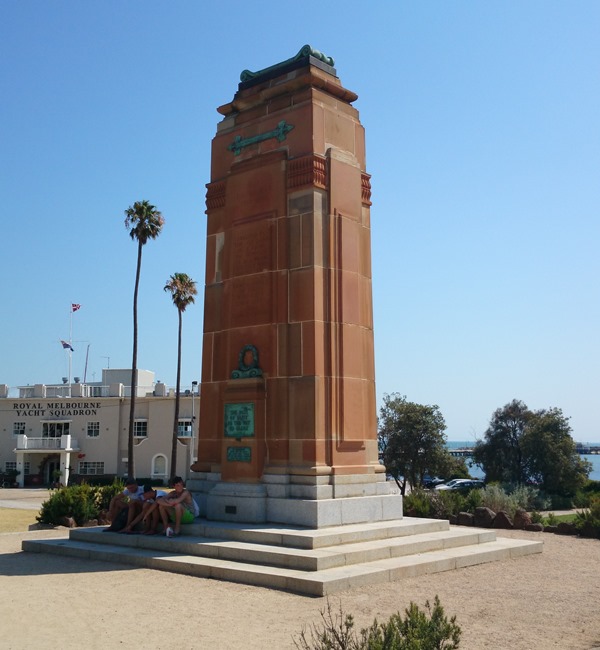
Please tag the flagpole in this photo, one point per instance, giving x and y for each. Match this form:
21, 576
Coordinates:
70, 344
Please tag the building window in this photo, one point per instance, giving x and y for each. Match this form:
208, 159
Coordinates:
55, 429
11, 466
90, 468
18, 428
93, 429
184, 428
140, 429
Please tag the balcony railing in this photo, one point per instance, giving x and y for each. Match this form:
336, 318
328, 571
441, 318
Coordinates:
27, 443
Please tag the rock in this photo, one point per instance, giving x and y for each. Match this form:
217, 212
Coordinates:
67, 522
465, 519
484, 517
521, 519
566, 528
534, 527
453, 520
90, 523
103, 519
502, 520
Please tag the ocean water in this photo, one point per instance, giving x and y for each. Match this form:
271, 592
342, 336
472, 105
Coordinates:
477, 473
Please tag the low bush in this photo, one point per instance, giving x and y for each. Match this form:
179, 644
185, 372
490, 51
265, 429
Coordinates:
441, 504
561, 502
583, 496
496, 499
537, 517
80, 502
422, 630
511, 498
588, 521
418, 503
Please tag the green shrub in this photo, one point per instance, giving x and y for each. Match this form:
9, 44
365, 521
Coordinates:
561, 502
583, 496
588, 521
439, 504
418, 630
447, 503
537, 517
417, 503
496, 499
81, 502
473, 500
528, 498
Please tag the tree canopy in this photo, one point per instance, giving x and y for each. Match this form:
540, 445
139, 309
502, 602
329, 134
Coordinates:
523, 446
412, 442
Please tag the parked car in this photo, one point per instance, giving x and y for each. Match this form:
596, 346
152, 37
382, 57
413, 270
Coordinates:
463, 484
431, 481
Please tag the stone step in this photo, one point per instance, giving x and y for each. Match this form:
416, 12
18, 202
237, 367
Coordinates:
294, 558
314, 583
295, 537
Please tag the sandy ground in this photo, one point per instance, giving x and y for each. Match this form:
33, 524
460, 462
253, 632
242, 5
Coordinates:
549, 600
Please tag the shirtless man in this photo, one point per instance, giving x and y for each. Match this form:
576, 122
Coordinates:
178, 507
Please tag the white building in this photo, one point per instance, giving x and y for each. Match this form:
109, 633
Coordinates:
81, 430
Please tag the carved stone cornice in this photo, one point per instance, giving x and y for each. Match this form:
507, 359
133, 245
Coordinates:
215, 195
365, 181
309, 170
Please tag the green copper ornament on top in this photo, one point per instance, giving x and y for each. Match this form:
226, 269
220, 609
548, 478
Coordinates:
305, 51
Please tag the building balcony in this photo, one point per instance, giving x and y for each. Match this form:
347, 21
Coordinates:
63, 443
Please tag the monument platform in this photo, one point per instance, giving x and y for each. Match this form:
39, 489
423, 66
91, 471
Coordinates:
312, 562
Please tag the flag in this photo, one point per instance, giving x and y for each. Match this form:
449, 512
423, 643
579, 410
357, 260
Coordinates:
75, 307
67, 346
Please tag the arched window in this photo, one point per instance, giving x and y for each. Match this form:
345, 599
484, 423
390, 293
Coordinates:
159, 466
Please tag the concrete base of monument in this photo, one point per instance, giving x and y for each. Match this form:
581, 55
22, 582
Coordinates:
311, 561
315, 502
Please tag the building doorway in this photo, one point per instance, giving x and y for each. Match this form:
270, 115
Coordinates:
51, 465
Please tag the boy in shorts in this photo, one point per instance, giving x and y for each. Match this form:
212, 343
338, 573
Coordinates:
130, 499
178, 507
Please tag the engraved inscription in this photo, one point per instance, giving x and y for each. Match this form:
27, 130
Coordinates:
239, 454
239, 420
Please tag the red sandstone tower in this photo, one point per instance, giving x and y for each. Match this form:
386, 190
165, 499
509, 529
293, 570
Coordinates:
288, 416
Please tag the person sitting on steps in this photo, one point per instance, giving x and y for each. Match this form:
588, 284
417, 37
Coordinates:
149, 514
130, 499
179, 507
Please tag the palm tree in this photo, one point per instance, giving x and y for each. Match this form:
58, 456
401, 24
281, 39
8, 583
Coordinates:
182, 289
145, 222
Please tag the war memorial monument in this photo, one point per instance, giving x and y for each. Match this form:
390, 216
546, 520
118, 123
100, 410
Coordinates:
291, 492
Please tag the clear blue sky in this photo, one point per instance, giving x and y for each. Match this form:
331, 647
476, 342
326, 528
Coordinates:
483, 141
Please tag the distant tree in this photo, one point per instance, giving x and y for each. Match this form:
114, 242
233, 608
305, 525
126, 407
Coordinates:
552, 458
182, 289
144, 222
522, 446
500, 454
411, 440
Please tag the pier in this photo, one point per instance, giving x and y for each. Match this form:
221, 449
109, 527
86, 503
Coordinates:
584, 449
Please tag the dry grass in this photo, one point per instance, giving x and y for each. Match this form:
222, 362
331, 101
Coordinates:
13, 520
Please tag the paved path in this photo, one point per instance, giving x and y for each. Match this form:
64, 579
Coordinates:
23, 498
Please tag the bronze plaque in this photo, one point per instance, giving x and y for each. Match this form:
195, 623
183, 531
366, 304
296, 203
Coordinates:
239, 454
239, 420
